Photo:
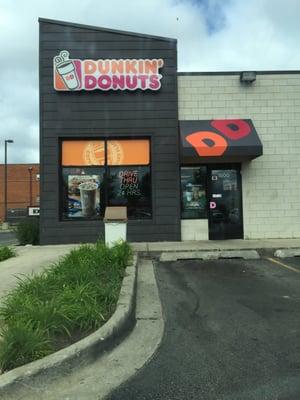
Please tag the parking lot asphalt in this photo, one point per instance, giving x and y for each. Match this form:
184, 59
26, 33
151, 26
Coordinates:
232, 333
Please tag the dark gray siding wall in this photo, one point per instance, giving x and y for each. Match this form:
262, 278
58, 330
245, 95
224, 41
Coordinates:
96, 114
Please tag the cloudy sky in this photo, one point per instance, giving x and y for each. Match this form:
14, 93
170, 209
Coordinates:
213, 35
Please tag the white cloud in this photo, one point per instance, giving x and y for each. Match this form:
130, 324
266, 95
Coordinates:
213, 35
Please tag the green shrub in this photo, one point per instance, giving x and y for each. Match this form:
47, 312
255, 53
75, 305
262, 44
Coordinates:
21, 343
27, 231
6, 252
71, 298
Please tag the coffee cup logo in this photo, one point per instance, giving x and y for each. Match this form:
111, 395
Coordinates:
66, 69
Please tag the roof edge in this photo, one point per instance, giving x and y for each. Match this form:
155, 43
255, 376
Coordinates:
97, 28
266, 72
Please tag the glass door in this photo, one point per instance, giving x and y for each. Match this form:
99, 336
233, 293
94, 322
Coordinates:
225, 202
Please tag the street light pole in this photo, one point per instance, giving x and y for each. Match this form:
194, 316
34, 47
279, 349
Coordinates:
5, 177
30, 186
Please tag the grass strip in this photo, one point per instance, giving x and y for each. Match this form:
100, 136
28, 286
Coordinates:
6, 252
66, 302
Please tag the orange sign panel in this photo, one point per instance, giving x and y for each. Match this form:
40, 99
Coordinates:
92, 152
83, 152
128, 152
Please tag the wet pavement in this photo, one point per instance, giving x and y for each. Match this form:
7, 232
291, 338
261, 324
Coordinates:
232, 333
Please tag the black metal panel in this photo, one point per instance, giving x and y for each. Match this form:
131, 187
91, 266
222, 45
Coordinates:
75, 27
104, 114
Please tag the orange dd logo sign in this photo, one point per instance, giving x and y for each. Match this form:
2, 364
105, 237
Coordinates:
106, 74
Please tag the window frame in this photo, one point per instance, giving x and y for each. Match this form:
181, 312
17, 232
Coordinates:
106, 167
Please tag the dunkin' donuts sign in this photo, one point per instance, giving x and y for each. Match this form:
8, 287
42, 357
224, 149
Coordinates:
106, 74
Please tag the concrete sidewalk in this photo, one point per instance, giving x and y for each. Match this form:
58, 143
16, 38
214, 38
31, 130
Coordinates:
29, 259
209, 245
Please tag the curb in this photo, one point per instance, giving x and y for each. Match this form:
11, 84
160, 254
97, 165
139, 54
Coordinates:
166, 255
87, 349
209, 255
284, 253
154, 250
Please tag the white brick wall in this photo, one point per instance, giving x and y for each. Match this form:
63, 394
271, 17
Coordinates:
271, 183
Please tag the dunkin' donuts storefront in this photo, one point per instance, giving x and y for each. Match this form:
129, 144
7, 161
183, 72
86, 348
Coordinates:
120, 127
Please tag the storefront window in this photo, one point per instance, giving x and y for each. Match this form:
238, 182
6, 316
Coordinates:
93, 180
130, 186
193, 193
83, 195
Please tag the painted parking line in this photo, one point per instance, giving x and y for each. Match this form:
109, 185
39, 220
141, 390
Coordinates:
282, 264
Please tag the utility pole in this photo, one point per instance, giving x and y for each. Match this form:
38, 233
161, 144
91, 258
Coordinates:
5, 177
30, 185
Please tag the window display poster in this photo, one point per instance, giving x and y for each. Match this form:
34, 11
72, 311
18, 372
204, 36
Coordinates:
83, 196
193, 193
194, 197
